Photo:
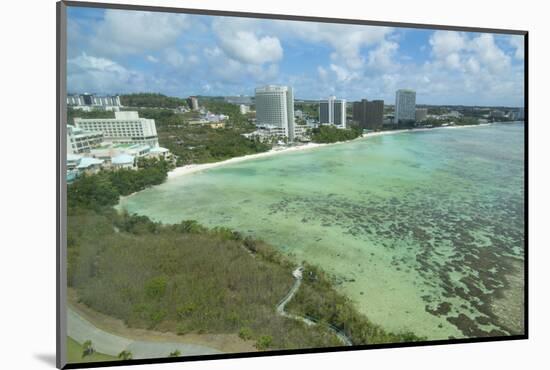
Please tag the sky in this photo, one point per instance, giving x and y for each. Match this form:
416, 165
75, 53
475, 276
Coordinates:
119, 51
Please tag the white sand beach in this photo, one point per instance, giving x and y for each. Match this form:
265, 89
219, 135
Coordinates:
194, 168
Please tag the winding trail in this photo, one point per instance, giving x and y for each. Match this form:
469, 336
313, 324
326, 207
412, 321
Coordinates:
310, 321
81, 330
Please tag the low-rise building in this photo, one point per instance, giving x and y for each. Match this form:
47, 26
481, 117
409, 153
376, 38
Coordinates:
88, 102
89, 165
244, 109
123, 161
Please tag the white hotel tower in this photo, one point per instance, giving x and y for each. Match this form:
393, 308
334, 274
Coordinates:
333, 111
405, 106
275, 109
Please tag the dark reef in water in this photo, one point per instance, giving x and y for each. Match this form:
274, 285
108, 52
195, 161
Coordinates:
442, 236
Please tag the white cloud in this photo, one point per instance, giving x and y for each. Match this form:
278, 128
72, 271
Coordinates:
246, 47
490, 54
346, 40
343, 74
95, 74
383, 56
323, 73
131, 32
243, 45
151, 59
518, 42
447, 42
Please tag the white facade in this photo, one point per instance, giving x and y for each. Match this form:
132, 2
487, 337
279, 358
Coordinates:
275, 108
96, 101
125, 128
82, 141
405, 105
193, 103
244, 109
333, 111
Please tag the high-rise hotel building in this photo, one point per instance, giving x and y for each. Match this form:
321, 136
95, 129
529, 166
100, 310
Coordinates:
125, 128
333, 111
275, 110
369, 114
405, 106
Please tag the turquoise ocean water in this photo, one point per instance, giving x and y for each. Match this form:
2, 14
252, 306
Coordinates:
422, 230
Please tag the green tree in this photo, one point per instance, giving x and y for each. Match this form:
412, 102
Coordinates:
175, 353
125, 355
87, 348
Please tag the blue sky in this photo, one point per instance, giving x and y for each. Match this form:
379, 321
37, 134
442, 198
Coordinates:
116, 51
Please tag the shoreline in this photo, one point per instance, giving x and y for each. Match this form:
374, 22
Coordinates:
198, 167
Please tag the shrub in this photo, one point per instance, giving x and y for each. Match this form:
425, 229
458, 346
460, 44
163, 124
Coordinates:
264, 342
175, 353
156, 287
245, 333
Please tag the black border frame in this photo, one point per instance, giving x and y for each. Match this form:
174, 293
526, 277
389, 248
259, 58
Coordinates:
61, 182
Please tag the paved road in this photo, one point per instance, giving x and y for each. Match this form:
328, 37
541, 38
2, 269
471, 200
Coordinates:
307, 320
81, 330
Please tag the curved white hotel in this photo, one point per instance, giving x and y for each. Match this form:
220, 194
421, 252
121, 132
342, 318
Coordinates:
125, 128
275, 109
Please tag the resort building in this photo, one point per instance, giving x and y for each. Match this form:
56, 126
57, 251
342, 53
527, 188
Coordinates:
421, 114
92, 101
369, 114
125, 128
275, 110
244, 109
82, 141
89, 165
125, 161
333, 112
405, 106
193, 102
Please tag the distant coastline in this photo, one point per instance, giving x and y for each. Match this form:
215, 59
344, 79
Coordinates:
194, 168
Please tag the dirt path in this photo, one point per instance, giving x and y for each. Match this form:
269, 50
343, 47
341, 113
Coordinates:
307, 320
225, 343
81, 330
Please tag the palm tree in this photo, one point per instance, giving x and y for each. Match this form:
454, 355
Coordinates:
176, 353
87, 348
125, 355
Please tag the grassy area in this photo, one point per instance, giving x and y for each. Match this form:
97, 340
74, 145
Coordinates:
75, 350
202, 144
332, 134
184, 279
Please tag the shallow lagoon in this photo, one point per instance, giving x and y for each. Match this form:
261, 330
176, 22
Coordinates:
423, 230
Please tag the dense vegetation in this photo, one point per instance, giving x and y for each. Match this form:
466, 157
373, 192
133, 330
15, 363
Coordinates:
311, 110
202, 144
332, 134
462, 121
72, 113
183, 278
105, 188
317, 300
150, 100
